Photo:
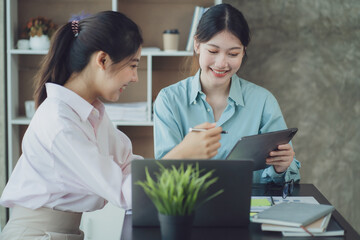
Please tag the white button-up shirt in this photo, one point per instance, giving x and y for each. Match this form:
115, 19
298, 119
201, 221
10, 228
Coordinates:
73, 158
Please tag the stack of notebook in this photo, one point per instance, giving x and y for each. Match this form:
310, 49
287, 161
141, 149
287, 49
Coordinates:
299, 219
136, 111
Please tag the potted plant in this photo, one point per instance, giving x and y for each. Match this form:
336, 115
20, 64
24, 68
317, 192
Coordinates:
39, 30
176, 193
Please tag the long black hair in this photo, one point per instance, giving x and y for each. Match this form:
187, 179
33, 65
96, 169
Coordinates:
108, 31
217, 19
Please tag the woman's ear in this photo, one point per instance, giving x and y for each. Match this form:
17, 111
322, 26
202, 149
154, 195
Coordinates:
102, 59
196, 46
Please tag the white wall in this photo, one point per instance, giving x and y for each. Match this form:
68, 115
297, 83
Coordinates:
2, 110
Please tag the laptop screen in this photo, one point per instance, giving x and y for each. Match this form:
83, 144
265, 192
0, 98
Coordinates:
229, 209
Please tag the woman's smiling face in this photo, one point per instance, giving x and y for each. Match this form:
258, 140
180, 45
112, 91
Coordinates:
219, 58
118, 77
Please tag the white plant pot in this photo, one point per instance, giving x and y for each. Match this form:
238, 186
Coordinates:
40, 43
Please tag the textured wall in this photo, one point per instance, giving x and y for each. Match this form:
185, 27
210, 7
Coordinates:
306, 53
2, 109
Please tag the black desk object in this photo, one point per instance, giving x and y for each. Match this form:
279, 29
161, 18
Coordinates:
253, 232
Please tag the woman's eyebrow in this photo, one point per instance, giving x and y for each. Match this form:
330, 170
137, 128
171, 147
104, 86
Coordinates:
216, 46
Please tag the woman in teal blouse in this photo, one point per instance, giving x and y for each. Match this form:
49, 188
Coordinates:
216, 94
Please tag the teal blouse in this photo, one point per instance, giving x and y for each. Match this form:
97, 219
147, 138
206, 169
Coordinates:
251, 110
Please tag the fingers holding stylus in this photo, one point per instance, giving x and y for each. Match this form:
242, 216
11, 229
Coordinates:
208, 132
205, 139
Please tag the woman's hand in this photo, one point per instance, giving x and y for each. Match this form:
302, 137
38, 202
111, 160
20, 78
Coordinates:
198, 145
281, 158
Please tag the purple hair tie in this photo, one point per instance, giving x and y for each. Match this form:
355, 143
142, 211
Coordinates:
75, 27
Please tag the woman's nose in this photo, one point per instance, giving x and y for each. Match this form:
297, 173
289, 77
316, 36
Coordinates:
135, 77
221, 61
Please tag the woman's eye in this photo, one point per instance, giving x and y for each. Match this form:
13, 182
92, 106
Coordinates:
233, 54
134, 66
212, 52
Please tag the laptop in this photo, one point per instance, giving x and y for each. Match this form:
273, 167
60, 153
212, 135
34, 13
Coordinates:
229, 209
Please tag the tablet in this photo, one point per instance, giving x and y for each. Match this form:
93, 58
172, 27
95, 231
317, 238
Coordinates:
258, 147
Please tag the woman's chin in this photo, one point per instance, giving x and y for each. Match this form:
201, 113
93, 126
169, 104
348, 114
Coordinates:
113, 98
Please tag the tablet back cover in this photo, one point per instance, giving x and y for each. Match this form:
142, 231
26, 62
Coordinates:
258, 147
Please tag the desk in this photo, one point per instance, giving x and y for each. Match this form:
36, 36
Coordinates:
253, 231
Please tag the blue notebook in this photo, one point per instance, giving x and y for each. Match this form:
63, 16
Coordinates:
293, 214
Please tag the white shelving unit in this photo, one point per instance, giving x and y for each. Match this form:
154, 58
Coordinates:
22, 120
18, 10
17, 121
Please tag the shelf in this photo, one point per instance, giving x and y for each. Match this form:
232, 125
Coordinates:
157, 68
26, 121
145, 53
21, 121
28, 52
167, 53
122, 123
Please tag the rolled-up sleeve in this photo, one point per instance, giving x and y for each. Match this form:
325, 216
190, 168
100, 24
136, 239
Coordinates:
167, 133
273, 120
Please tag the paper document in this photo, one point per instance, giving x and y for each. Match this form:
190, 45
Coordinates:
302, 199
260, 203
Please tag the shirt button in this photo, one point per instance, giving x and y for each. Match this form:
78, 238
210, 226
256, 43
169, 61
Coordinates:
195, 102
208, 109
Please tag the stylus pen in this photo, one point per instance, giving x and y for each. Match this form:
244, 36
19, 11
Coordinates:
272, 201
203, 130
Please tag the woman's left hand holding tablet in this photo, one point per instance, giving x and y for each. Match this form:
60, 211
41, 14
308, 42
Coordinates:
198, 145
281, 158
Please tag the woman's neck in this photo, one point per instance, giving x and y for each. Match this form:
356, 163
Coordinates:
219, 91
217, 97
80, 84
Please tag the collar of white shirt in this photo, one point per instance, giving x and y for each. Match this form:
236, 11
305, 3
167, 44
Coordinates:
77, 103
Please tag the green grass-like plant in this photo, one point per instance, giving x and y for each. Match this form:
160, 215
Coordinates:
177, 191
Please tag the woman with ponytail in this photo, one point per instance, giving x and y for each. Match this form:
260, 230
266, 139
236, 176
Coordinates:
73, 159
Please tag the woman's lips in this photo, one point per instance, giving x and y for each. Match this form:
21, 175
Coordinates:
219, 73
123, 88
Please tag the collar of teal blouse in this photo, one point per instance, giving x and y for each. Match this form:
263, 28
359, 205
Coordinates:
235, 89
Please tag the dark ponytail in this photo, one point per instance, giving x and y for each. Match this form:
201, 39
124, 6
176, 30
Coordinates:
52, 68
109, 31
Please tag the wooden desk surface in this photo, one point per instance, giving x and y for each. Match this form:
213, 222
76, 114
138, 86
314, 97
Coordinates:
254, 230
